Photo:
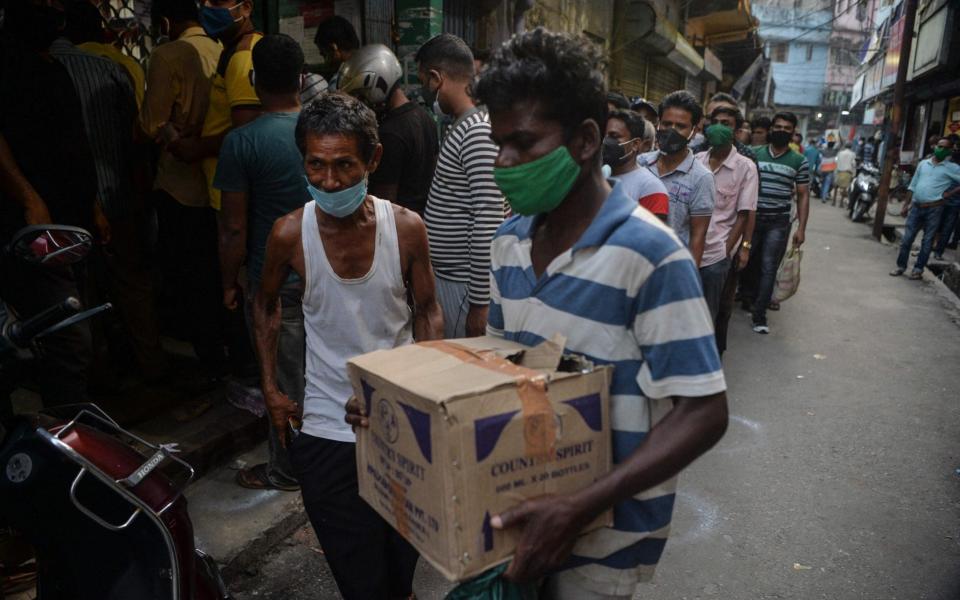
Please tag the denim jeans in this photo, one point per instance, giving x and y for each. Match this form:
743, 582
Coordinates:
825, 184
770, 237
948, 224
291, 357
920, 217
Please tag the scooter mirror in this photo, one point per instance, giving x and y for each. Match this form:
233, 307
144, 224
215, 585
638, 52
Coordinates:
51, 245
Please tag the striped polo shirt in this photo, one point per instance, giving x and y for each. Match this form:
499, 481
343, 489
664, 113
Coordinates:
779, 177
109, 110
626, 294
464, 206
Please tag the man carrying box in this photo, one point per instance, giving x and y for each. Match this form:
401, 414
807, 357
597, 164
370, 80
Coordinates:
585, 261
358, 256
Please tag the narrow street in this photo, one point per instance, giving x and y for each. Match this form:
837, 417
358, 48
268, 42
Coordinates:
836, 478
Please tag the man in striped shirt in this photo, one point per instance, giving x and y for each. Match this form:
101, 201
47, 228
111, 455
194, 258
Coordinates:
782, 172
587, 262
464, 206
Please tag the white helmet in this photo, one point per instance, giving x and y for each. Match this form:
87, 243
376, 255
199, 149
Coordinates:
370, 74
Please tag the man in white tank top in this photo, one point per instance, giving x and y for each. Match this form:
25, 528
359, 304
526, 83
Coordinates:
362, 260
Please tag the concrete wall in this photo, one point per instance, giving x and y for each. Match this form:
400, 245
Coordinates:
574, 16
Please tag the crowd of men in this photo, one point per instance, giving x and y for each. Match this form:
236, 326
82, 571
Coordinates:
317, 220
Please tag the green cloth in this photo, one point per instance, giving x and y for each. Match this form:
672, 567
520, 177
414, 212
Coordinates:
491, 585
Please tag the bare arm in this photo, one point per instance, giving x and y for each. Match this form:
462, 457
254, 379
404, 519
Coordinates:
15, 186
233, 243
281, 245
552, 523
803, 213
698, 236
427, 316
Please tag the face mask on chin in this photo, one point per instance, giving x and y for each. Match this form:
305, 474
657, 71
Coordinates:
341, 203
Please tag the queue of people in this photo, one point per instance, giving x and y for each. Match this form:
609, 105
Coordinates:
328, 229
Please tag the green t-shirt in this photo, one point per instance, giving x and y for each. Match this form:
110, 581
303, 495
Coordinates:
261, 158
778, 178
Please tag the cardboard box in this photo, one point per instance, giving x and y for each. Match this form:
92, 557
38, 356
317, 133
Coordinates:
459, 433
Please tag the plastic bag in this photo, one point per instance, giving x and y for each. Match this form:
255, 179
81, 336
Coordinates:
490, 585
788, 275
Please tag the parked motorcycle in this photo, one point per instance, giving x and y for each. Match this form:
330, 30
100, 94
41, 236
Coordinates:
102, 508
863, 191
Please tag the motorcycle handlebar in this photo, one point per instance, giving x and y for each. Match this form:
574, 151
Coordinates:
22, 333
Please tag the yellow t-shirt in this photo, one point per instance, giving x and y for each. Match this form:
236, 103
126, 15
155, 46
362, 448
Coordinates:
232, 87
132, 67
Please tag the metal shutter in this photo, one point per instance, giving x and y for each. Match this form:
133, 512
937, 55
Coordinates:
460, 18
378, 22
662, 80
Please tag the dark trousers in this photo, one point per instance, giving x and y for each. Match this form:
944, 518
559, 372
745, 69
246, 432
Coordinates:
123, 277
369, 560
920, 217
725, 309
66, 355
948, 224
189, 262
712, 278
770, 237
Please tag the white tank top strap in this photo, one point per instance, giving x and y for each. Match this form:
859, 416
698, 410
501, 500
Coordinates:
312, 245
388, 240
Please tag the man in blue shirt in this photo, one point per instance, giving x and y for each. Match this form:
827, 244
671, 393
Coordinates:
930, 188
585, 260
260, 176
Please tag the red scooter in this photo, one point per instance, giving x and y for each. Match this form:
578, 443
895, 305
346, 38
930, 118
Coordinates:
102, 508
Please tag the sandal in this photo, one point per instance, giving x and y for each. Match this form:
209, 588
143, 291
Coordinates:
255, 478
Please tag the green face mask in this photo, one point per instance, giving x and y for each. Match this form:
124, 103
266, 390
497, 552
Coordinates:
941, 153
540, 185
719, 135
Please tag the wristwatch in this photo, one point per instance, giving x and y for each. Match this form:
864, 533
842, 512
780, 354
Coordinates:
746, 244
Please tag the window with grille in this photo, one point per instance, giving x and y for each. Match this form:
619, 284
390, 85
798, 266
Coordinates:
778, 53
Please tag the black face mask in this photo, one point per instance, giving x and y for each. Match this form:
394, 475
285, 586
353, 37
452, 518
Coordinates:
670, 141
955, 156
614, 153
830, 145
429, 96
779, 139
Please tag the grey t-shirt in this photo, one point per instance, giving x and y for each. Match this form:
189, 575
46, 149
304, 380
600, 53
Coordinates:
690, 187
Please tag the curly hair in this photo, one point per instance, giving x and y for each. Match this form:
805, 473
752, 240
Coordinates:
337, 113
563, 72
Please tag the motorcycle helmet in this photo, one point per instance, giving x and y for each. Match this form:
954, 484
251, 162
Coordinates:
370, 74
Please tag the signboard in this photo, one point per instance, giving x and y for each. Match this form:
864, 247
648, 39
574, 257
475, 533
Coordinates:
892, 60
857, 91
868, 116
953, 117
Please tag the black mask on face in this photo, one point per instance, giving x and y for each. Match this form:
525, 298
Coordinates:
830, 144
670, 141
779, 139
614, 154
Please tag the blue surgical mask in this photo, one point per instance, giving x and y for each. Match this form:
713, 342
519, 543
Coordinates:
217, 19
341, 203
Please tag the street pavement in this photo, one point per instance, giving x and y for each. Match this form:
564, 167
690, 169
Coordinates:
838, 476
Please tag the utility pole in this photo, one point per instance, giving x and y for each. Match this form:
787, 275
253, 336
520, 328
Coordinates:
896, 117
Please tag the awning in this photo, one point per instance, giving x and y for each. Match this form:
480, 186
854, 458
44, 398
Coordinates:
659, 35
720, 22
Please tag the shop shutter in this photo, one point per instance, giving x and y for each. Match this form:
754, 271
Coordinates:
634, 72
662, 80
460, 18
695, 87
378, 22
